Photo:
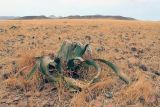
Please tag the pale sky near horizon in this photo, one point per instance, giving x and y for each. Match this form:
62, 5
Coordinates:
140, 9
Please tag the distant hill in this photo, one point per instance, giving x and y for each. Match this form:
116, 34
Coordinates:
7, 17
33, 17
68, 17
98, 17
52, 16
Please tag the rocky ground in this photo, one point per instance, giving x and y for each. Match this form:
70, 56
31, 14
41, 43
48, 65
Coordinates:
134, 46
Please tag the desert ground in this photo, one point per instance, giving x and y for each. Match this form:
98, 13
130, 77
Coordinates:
133, 46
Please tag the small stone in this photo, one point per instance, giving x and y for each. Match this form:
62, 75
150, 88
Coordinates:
101, 48
141, 99
116, 50
1, 30
16, 98
33, 37
5, 76
109, 94
20, 37
143, 67
88, 37
140, 51
14, 62
13, 27
157, 73
133, 49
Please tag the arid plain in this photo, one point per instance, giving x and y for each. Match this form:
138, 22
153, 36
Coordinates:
134, 46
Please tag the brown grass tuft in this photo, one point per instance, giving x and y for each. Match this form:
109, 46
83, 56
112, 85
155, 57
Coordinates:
84, 98
140, 90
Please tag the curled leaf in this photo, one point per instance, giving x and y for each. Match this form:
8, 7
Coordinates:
114, 68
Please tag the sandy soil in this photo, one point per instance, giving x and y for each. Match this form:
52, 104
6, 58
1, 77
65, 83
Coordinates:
134, 46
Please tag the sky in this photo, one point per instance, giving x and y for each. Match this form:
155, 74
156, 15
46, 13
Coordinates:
139, 9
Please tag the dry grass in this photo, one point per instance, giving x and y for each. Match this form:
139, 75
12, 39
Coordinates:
140, 91
109, 39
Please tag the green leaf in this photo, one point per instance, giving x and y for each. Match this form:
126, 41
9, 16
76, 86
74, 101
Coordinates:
91, 62
83, 50
43, 66
110, 64
65, 50
62, 52
114, 68
70, 50
123, 79
32, 71
80, 50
